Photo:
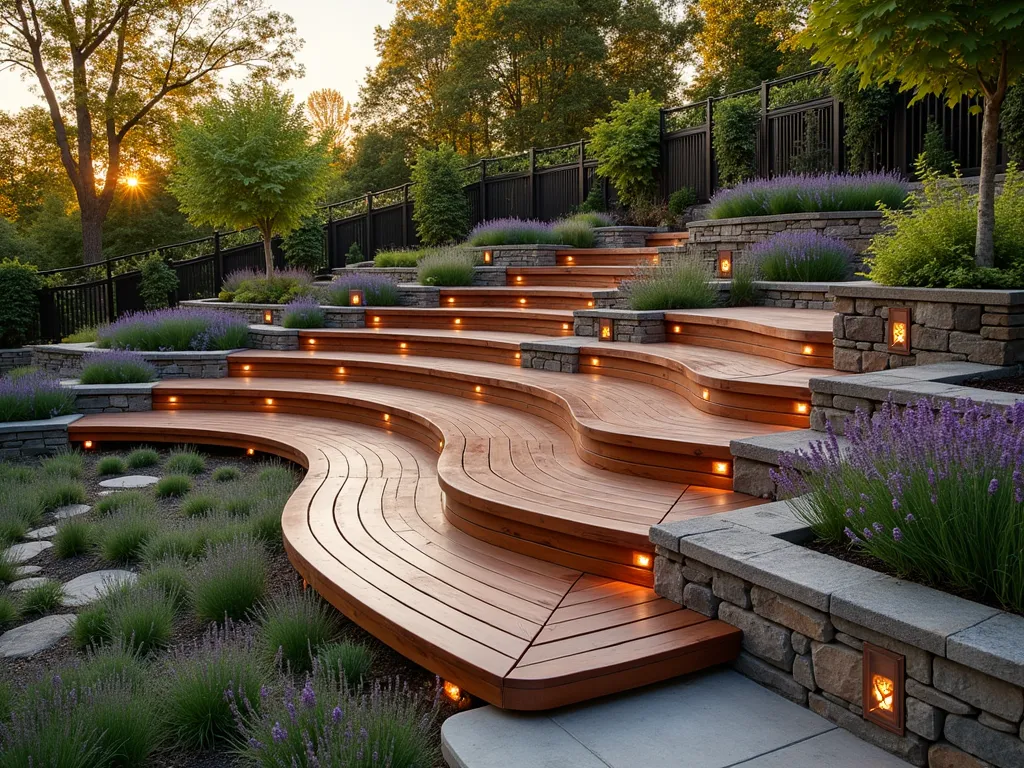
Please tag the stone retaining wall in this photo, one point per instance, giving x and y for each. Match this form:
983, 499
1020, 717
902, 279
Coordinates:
272, 337
522, 255
21, 439
14, 358
426, 296
805, 617
561, 356
794, 295
254, 314
623, 237
113, 398
482, 276
636, 327
65, 361
947, 325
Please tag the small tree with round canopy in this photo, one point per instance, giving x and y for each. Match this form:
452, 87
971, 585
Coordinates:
249, 161
949, 48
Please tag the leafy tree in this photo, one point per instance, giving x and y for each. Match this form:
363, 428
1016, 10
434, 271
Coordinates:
304, 247
626, 145
952, 48
330, 114
441, 208
111, 71
157, 282
377, 161
19, 301
249, 162
15, 246
735, 138
1012, 122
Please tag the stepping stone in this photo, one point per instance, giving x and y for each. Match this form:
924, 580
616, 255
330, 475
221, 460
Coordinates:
22, 553
46, 532
27, 570
29, 639
23, 584
91, 586
72, 510
130, 481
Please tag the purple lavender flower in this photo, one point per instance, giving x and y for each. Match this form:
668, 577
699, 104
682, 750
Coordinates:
802, 255
878, 527
378, 290
308, 695
851, 535
895, 503
993, 486
512, 232
336, 715
849, 513
910, 517
179, 329
867, 534
34, 395
897, 535
278, 733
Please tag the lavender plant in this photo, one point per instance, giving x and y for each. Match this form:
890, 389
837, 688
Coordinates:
512, 232
802, 256
116, 367
326, 723
806, 194
304, 313
34, 396
447, 267
176, 330
249, 286
378, 290
934, 491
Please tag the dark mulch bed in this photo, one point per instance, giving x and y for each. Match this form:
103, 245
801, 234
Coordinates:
1014, 385
388, 665
846, 552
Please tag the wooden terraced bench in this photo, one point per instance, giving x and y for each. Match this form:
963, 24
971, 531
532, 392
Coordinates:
607, 257
581, 277
542, 297
367, 529
544, 322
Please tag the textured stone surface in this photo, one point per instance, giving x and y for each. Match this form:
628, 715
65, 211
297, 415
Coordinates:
764, 639
997, 723
22, 553
837, 669
789, 613
130, 481
90, 586
1000, 749
731, 589
995, 646
924, 719
22, 584
668, 579
943, 755
938, 698
983, 691
770, 677
918, 662
699, 598
803, 672
46, 532
71, 510
801, 643
911, 747
34, 637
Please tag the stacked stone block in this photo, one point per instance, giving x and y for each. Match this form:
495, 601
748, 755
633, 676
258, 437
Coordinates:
635, 327
34, 438
622, 237
14, 358
65, 361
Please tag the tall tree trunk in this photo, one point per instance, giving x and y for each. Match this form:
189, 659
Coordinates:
92, 237
984, 251
268, 252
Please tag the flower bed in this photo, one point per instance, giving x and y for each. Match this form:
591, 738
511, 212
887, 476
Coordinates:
31, 395
450, 267
810, 194
378, 290
116, 367
175, 330
806, 256
303, 313
250, 286
576, 231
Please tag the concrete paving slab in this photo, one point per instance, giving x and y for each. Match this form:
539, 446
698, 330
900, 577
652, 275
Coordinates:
91, 586
130, 481
715, 719
72, 510
46, 532
30, 639
22, 553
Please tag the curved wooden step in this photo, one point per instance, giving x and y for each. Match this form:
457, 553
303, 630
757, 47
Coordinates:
583, 277
667, 239
512, 297
543, 322
367, 530
607, 257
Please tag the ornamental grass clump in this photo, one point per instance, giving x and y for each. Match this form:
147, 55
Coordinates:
447, 267
686, 285
801, 193
176, 330
326, 722
296, 624
935, 491
248, 286
140, 458
513, 232
400, 258
185, 461
34, 396
74, 537
576, 232
304, 313
378, 290
116, 367
802, 256
230, 580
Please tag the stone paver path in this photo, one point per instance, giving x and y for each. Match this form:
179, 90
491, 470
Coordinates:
22, 553
22, 584
72, 510
130, 481
30, 639
91, 586
28, 570
46, 532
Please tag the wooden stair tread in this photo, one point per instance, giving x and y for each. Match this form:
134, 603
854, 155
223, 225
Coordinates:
811, 325
469, 611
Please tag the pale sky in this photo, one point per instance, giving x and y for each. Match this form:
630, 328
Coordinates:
338, 49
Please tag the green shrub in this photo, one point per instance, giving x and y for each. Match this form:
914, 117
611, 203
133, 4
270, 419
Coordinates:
687, 285
680, 200
9, 613
353, 660
110, 465
627, 146
575, 232
19, 302
440, 205
406, 258
68, 464
279, 288
594, 219
931, 242
807, 89
91, 628
172, 577
157, 282
934, 154
105, 662
74, 537
276, 480
230, 580
175, 544
802, 256
198, 504
741, 288
193, 705
735, 138
265, 525
172, 485
448, 267
354, 254
59, 493
84, 336
226, 474
185, 461
140, 617
116, 367
594, 202
1011, 121
42, 598
123, 535
296, 624
19, 511
119, 501
141, 458
304, 246
864, 110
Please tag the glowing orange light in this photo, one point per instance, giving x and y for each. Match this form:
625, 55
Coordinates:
641, 560
882, 691
654, 260
458, 321
87, 444
440, 443
269, 401
250, 451
706, 394
452, 691
403, 345
173, 398
721, 467
451, 299
677, 329
246, 367
568, 258
518, 356
268, 318
607, 330
519, 278
808, 350
356, 298
565, 326
341, 369
724, 263
590, 303
478, 388
802, 408
594, 361
131, 182
376, 318
522, 301
312, 341
487, 257
387, 417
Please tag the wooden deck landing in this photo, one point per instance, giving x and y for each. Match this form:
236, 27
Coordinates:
367, 528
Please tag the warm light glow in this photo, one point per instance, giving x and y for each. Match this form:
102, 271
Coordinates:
725, 266
590, 303
341, 369
808, 350
269, 401
131, 182
246, 367
899, 333
312, 341
641, 560
568, 258
87, 444
173, 398
376, 318
403, 345
356, 298
706, 394
487, 257
802, 408
519, 278
387, 417
594, 361
654, 259
451, 299
677, 329
518, 356
882, 689
721, 467
565, 326
606, 329
268, 317
452, 691
522, 301
478, 388
725, 263
458, 321
440, 443
250, 451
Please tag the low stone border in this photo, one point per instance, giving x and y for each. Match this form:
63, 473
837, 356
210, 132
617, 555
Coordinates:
836, 398
561, 355
426, 296
273, 337
65, 361
255, 314
805, 617
14, 358
35, 438
791, 295
482, 276
522, 255
636, 327
754, 458
112, 398
623, 237
947, 325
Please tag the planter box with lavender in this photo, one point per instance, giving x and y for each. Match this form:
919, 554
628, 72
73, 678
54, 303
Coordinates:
35, 411
273, 314
18, 357
934, 674
66, 361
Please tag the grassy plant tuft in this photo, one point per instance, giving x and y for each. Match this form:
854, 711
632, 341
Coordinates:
230, 580
296, 624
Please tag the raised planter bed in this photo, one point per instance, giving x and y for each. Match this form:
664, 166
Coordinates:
112, 398
623, 237
482, 276
805, 618
20, 439
946, 325
14, 358
522, 255
258, 314
65, 361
